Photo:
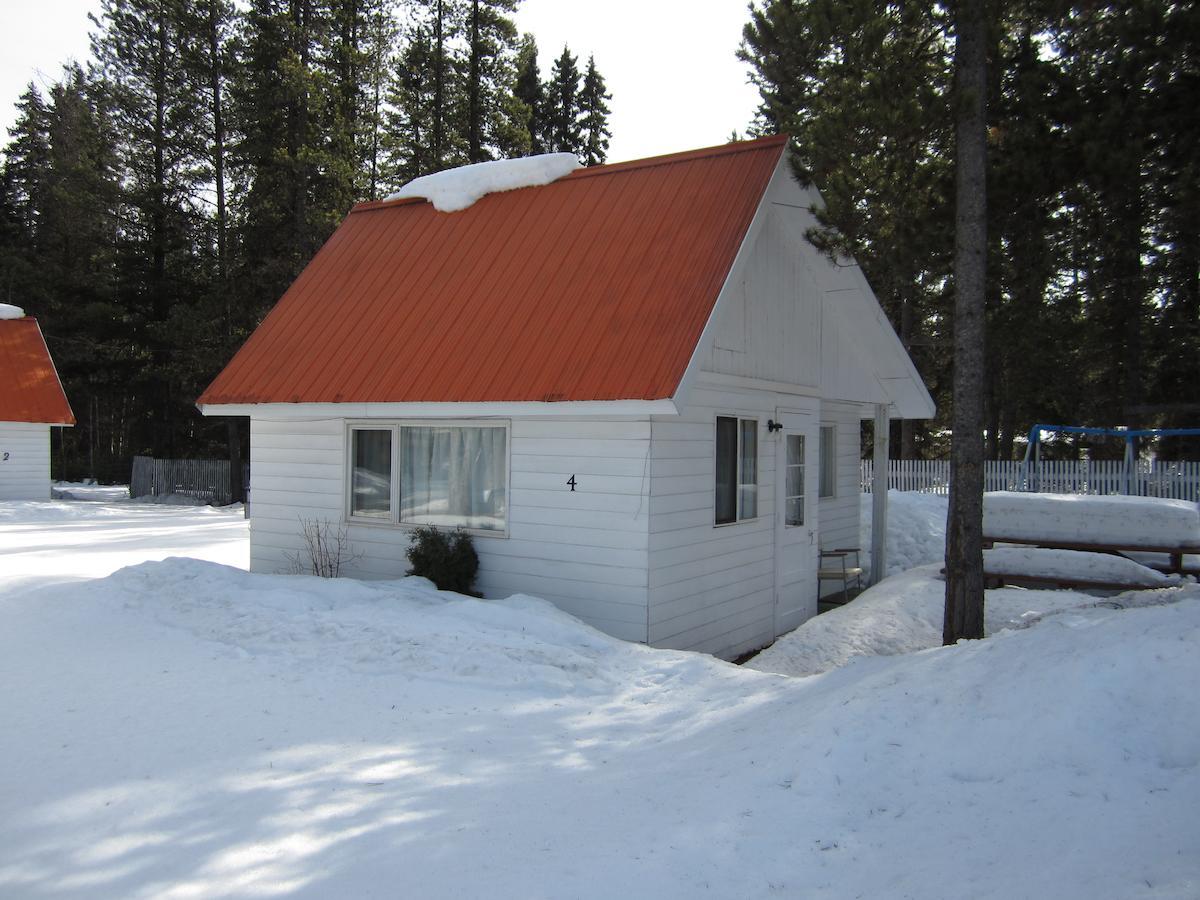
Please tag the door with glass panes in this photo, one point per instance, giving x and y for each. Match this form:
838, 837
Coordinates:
796, 551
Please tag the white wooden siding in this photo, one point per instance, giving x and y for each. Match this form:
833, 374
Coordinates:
769, 322
25, 473
711, 588
585, 551
839, 513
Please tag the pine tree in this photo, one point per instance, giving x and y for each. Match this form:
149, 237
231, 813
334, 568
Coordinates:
277, 97
381, 46
563, 131
1175, 253
407, 141
863, 89
529, 92
594, 112
140, 45
58, 258
491, 36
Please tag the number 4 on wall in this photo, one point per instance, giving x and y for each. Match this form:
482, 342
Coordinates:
571, 482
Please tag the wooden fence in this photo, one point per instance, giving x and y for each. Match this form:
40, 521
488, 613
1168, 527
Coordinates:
1180, 480
205, 480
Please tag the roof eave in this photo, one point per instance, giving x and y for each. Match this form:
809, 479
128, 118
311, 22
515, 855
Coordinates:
449, 410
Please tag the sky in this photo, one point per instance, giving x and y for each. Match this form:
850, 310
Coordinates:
669, 64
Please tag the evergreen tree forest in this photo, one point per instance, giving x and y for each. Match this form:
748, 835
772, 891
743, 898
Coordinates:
1093, 187
155, 203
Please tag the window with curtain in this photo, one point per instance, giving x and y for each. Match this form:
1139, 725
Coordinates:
448, 475
453, 476
736, 469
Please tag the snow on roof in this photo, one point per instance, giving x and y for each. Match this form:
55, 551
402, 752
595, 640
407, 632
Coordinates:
456, 189
8, 311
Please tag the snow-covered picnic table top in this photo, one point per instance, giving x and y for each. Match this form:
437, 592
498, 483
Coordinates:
1073, 519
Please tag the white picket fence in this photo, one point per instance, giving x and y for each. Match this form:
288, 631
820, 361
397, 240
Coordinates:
1180, 480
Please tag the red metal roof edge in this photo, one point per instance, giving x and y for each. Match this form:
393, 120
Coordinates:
774, 142
69, 418
665, 159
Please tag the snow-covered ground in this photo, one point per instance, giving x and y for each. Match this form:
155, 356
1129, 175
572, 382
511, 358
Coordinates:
69, 540
916, 530
186, 729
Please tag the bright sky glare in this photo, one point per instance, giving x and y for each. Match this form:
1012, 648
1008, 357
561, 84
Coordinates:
669, 64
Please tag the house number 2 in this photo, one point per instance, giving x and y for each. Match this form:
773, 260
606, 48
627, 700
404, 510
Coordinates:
571, 482
5, 459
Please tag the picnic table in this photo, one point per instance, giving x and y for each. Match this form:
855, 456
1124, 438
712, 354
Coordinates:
1096, 525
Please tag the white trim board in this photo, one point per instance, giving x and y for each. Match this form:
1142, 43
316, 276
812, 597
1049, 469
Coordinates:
506, 410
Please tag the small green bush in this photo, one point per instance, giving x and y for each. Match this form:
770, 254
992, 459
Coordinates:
447, 558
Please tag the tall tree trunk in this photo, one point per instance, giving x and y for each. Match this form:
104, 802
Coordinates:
964, 525
474, 112
298, 136
214, 83
439, 85
908, 329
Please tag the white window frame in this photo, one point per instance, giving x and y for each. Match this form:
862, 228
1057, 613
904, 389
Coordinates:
803, 496
394, 425
738, 519
827, 459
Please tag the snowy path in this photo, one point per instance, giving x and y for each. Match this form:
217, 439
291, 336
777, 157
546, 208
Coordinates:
185, 729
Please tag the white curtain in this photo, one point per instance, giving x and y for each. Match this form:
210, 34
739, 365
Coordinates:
453, 476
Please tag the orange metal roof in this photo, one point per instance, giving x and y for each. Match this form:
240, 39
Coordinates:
594, 287
29, 387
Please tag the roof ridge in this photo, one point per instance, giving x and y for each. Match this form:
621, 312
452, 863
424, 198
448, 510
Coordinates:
648, 162
666, 159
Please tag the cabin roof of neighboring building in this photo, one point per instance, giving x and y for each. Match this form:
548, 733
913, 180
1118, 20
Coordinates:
597, 286
29, 389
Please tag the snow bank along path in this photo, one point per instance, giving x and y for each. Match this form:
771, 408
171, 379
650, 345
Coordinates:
916, 533
183, 729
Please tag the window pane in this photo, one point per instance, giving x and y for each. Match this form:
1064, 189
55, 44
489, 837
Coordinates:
371, 479
726, 487
454, 476
748, 483
795, 481
795, 511
795, 449
828, 470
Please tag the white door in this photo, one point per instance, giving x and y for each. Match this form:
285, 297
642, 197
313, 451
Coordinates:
795, 520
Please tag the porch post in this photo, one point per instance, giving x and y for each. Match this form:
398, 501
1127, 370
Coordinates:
879, 495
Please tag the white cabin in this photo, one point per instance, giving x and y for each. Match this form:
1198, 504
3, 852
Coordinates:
31, 403
683, 507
